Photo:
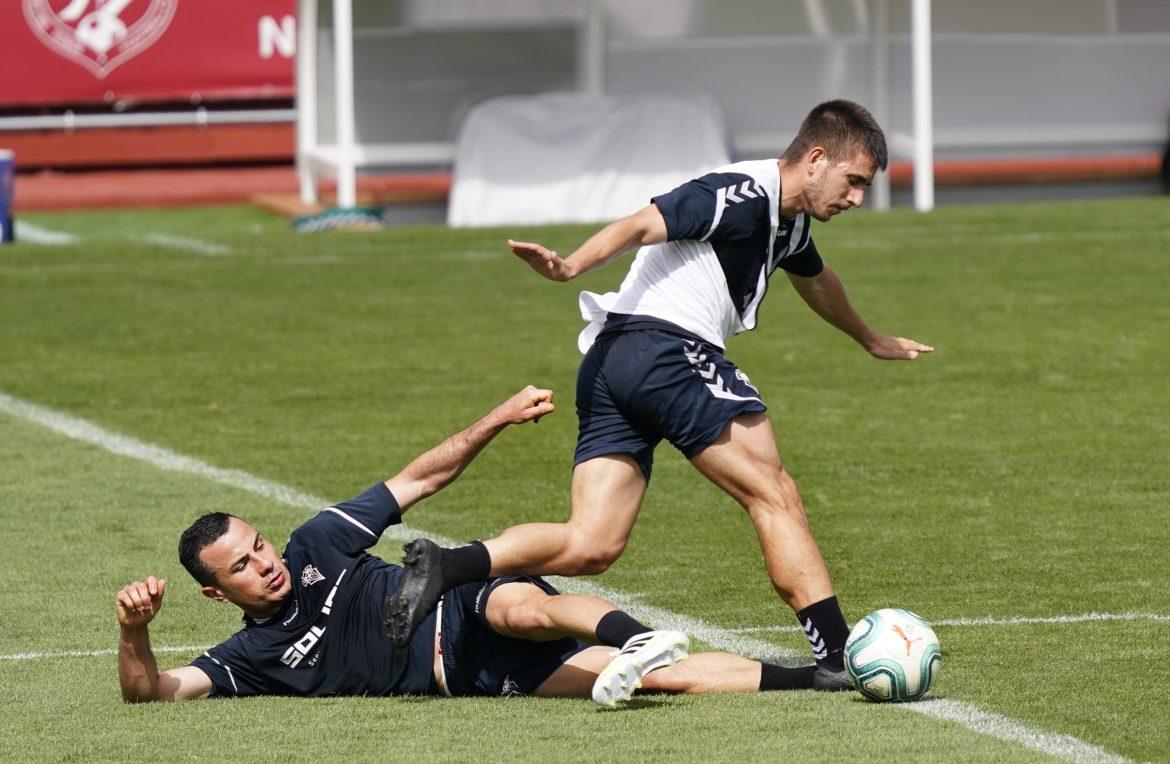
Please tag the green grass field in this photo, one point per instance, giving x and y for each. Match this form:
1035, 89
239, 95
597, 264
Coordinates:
1005, 487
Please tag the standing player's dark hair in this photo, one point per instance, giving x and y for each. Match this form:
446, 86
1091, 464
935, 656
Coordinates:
202, 534
841, 128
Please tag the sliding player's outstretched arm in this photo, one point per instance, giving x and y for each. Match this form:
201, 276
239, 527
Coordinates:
436, 468
644, 227
136, 606
825, 294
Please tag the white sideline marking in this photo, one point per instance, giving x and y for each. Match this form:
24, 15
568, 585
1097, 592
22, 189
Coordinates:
1005, 728
35, 234
187, 244
95, 653
990, 621
965, 714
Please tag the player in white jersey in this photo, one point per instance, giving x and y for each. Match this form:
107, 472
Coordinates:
654, 369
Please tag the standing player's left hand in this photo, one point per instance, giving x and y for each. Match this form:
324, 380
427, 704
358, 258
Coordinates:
896, 348
528, 405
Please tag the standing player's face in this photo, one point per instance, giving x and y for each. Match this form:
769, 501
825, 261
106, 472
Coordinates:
833, 187
248, 571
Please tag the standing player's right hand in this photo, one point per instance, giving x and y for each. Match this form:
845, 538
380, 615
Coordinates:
542, 260
138, 603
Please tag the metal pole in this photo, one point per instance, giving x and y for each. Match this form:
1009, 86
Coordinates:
591, 49
306, 97
923, 106
343, 102
879, 42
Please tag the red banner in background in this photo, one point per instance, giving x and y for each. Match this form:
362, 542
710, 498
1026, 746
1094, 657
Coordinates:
70, 52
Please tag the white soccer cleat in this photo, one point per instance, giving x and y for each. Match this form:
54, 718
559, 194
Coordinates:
640, 655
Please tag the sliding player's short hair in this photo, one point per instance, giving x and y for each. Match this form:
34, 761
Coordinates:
842, 129
202, 534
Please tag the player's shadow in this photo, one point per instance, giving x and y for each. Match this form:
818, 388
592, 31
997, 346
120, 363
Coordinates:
857, 698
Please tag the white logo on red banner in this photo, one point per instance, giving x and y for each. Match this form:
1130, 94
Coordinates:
101, 35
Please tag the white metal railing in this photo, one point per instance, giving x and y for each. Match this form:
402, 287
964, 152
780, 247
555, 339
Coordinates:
200, 117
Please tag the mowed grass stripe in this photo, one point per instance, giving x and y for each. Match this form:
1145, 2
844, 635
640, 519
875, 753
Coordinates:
959, 712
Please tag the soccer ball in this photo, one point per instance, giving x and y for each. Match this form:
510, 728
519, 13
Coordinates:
892, 655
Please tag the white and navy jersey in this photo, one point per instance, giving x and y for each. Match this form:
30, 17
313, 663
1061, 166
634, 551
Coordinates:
328, 638
725, 238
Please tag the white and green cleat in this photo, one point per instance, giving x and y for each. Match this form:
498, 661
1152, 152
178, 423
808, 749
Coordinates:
640, 655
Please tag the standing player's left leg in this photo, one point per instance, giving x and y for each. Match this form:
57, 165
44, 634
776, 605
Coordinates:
745, 462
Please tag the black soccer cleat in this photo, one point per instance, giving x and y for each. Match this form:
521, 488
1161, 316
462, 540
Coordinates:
827, 680
418, 592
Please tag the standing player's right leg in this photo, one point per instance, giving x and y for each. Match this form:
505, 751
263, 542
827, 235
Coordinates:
607, 493
606, 496
612, 468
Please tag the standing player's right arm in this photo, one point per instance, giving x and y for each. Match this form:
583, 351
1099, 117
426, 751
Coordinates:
137, 604
644, 227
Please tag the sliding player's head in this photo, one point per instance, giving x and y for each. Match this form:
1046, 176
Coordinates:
234, 563
838, 149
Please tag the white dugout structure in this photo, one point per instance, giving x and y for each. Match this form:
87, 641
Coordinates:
384, 85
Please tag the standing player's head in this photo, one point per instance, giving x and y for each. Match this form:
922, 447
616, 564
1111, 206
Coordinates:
234, 563
838, 150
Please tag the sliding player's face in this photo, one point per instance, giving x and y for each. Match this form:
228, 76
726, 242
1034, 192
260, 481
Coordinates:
248, 570
835, 186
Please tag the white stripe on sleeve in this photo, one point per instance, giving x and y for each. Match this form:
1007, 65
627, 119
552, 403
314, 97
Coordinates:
720, 204
337, 511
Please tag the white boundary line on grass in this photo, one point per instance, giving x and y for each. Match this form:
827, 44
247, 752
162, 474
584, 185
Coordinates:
35, 234
187, 244
96, 653
991, 621
959, 712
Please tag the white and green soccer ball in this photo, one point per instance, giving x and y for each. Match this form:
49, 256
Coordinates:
892, 655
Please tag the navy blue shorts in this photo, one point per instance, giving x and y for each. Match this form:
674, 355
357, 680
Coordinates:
635, 388
479, 661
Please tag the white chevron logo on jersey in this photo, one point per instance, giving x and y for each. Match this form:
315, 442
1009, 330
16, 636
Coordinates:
733, 194
749, 189
708, 372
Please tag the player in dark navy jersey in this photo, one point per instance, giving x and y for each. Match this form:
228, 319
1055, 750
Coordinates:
654, 368
313, 615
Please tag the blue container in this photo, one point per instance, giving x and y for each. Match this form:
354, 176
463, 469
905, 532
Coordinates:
7, 175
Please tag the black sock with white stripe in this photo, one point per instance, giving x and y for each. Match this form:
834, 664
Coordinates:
825, 627
617, 627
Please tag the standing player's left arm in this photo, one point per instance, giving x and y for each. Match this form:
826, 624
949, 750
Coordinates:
825, 294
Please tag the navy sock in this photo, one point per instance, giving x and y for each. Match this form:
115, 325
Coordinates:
465, 564
825, 627
774, 677
617, 627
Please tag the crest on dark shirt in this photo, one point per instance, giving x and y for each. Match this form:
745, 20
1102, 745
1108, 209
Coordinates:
310, 576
